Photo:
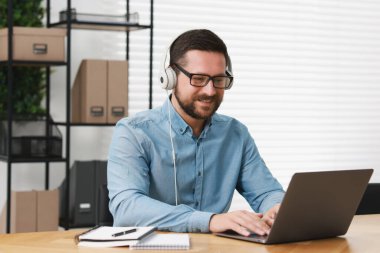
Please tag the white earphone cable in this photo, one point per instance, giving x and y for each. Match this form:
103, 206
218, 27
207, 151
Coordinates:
173, 154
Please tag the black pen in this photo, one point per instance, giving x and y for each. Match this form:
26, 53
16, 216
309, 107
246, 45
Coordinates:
125, 232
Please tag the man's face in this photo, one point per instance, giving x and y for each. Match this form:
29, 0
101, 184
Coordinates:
200, 102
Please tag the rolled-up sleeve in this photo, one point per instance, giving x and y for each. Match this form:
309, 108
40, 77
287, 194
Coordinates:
256, 183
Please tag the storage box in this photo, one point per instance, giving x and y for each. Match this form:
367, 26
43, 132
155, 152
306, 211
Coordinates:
32, 211
47, 210
34, 44
89, 94
117, 90
85, 179
3, 220
23, 211
100, 92
29, 139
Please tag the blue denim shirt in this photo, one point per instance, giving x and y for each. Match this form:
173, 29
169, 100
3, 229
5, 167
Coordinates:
209, 168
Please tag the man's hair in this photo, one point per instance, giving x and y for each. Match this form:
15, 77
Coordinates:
199, 39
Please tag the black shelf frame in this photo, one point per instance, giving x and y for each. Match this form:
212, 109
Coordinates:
34, 63
32, 160
68, 25
84, 124
9, 158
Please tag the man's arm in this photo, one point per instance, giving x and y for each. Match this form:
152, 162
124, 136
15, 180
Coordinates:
260, 189
256, 183
128, 184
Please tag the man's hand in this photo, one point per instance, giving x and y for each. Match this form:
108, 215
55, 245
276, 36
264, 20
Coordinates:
242, 222
271, 215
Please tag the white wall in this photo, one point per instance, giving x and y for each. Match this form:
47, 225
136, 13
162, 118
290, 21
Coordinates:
285, 54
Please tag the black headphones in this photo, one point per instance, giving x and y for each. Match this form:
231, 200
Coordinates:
168, 76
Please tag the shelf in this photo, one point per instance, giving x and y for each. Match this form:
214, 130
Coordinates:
83, 124
33, 63
105, 26
32, 160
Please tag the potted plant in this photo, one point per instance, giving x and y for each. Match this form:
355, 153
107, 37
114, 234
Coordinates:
29, 82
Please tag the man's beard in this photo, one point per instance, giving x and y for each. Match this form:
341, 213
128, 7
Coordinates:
190, 108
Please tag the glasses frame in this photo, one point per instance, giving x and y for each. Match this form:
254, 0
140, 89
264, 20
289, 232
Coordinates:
190, 75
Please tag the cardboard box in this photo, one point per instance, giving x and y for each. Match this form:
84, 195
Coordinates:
3, 220
32, 211
34, 44
117, 90
100, 92
23, 211
89, 93
47, 210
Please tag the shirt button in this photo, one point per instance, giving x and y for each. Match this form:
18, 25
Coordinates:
199, 173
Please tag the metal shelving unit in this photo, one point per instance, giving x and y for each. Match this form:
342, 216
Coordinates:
9, 158
69, 25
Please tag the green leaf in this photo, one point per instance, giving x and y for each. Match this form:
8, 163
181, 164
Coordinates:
29, 82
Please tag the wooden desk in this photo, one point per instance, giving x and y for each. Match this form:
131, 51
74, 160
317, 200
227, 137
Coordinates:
363, 236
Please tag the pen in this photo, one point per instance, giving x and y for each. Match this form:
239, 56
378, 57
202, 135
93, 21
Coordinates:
125, 232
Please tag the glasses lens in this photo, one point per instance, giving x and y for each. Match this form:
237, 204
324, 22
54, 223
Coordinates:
221, 81
199, 80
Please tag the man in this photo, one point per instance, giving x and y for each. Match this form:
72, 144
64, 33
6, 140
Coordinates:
177, 166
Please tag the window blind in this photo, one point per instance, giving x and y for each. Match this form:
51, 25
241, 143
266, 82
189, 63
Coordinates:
307, 75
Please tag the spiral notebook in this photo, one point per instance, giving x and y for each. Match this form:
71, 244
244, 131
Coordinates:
105, 236
163, 242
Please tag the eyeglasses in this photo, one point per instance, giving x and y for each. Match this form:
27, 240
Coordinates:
201, 80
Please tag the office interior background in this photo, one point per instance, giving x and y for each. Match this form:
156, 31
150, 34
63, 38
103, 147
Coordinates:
307, 79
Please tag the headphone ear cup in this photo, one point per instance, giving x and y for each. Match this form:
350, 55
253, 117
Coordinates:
229, 70
164, 79
168, 78
171, 78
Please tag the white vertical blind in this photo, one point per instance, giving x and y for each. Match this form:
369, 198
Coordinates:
307, 75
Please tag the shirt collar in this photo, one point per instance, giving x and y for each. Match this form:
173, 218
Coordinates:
178, 124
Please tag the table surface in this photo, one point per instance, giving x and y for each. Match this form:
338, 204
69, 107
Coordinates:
363, 236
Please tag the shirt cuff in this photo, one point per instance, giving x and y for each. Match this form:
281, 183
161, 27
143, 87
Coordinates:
199, 222
270, 201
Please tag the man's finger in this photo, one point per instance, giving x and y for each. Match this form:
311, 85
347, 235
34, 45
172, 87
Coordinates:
263, 226
269, 221
240, 230
252, 222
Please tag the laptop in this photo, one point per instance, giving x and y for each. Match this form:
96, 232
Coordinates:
316, 205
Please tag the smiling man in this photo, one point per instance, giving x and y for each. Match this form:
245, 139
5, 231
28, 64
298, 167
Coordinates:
177, 166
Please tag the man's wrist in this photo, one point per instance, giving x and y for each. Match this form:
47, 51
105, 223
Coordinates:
200, 222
